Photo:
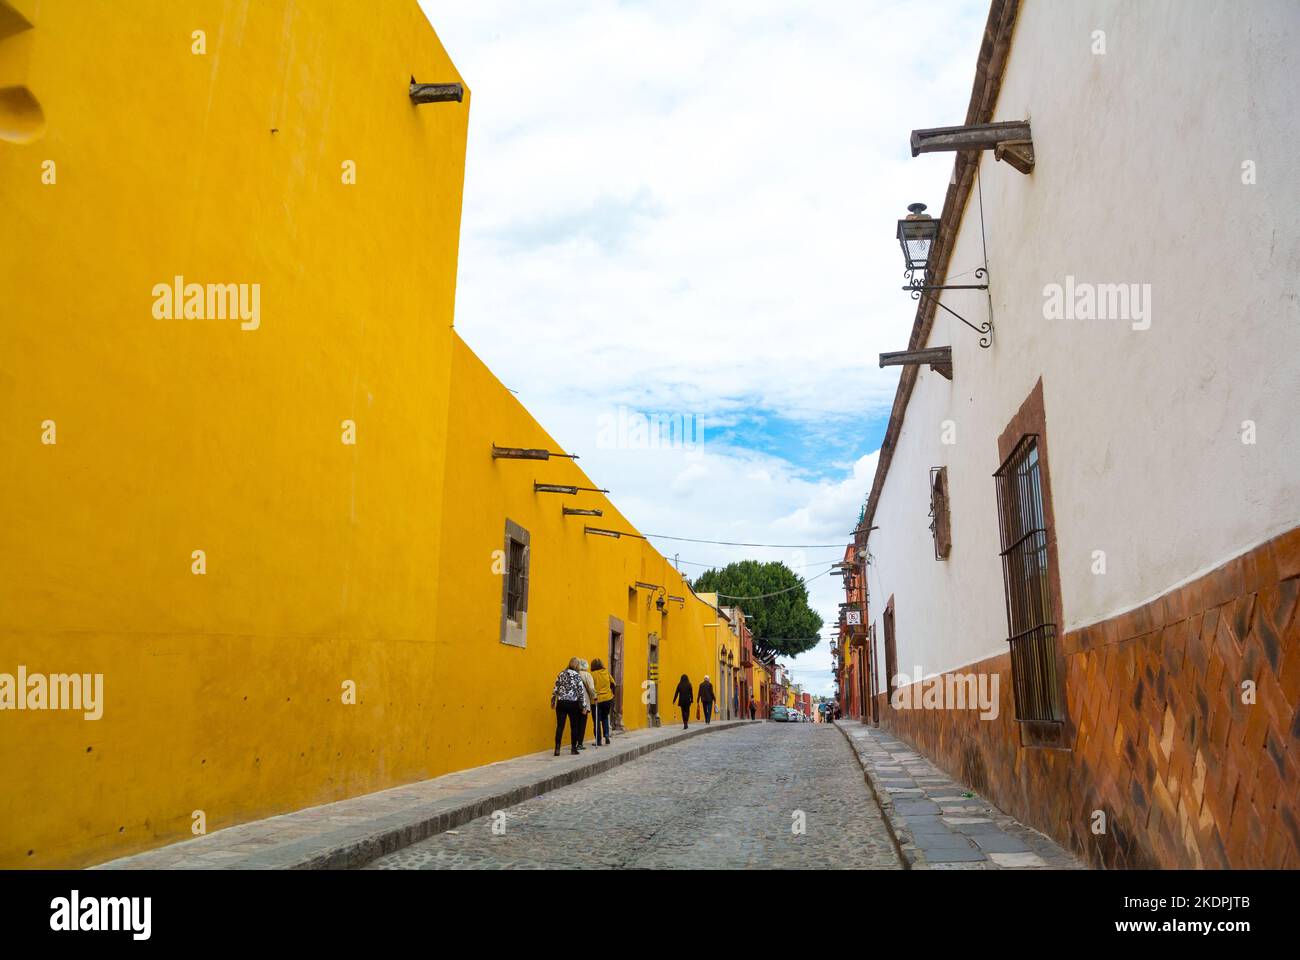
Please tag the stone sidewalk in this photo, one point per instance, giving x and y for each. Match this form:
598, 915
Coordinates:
353, 832
940, 824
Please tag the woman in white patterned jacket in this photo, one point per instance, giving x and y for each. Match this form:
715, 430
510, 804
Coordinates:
569, 698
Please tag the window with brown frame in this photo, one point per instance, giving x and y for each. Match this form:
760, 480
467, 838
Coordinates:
940, 525
891, 652
514, 587
1026, 577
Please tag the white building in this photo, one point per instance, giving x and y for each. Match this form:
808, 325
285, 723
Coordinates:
1143, 385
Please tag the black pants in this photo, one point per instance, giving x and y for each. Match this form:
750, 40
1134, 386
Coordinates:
751, 711
686, 715
602, 719
570, 710
708, 709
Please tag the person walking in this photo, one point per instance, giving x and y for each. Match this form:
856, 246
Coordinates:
589, 705
753, 708
684, 697
604, 698
567, 698
707, 698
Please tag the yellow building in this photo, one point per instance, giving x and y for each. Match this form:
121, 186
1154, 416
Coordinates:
247, 462
725, 669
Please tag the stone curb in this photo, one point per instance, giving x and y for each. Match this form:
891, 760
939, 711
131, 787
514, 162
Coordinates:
912, 856
354, 847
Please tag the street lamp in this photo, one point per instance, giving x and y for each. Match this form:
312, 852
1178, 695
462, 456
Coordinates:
917, 233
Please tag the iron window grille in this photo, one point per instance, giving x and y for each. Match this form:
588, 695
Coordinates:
1030, 627
940, 524
514, 588
518, 577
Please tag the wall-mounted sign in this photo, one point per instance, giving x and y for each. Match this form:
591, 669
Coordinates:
854, 618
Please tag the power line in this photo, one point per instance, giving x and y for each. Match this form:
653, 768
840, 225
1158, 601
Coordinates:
764, 596
802, 566
729, 543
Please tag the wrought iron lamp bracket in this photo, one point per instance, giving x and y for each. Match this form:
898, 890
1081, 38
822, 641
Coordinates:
918, 288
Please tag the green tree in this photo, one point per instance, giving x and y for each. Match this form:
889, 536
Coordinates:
780, 619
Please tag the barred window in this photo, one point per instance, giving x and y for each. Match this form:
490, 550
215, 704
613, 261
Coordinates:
1030, 627
514, 587
516, 599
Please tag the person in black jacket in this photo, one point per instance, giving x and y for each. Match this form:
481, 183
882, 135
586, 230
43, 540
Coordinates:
684, 697
707, 698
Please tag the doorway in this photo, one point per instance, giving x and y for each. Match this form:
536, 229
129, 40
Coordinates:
652, 673
891, 651
864, 671
616, 670
873, 678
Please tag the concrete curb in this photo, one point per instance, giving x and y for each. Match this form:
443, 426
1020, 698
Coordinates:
912, 856
355, 846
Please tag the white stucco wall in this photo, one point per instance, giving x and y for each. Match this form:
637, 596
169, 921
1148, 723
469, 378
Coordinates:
1138, 180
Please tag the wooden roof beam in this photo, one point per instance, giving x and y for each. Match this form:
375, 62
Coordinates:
436, 92
939, 359
1009, 140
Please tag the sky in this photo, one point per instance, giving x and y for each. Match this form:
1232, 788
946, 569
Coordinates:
686, 211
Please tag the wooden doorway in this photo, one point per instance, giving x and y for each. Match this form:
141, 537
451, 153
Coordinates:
616, 670
891, 650
652, 672
873, 674
864, 671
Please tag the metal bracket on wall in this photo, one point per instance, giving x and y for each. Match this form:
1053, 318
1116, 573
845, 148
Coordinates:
985, 329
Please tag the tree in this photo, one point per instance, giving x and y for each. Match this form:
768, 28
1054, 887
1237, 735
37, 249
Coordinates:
781, 621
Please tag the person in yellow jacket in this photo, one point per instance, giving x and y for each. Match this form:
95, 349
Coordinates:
604, 697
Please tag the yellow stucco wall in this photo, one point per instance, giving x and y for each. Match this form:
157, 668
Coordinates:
325, 562
578, 582
221, 691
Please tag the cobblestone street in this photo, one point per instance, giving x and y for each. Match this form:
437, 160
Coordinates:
729, 800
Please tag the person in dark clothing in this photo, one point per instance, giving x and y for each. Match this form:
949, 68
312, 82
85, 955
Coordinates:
753, 708
568, 697
707, 698
684, 697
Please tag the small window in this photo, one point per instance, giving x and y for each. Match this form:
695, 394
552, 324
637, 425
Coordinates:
514, 589
940, 525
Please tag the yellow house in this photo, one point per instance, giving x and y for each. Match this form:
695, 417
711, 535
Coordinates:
248, 465
725, 669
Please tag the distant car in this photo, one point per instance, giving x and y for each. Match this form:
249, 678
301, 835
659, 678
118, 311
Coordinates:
780, 714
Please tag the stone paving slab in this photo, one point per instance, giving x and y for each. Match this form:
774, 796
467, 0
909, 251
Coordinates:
940, 824
353, 832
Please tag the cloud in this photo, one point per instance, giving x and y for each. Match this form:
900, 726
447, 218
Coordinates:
690, 208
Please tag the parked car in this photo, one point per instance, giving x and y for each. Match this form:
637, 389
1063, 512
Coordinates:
780, 714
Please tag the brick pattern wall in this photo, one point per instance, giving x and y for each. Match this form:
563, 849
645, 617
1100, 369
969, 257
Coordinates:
1187, 774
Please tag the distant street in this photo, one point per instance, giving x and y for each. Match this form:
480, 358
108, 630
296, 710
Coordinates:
732, 799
